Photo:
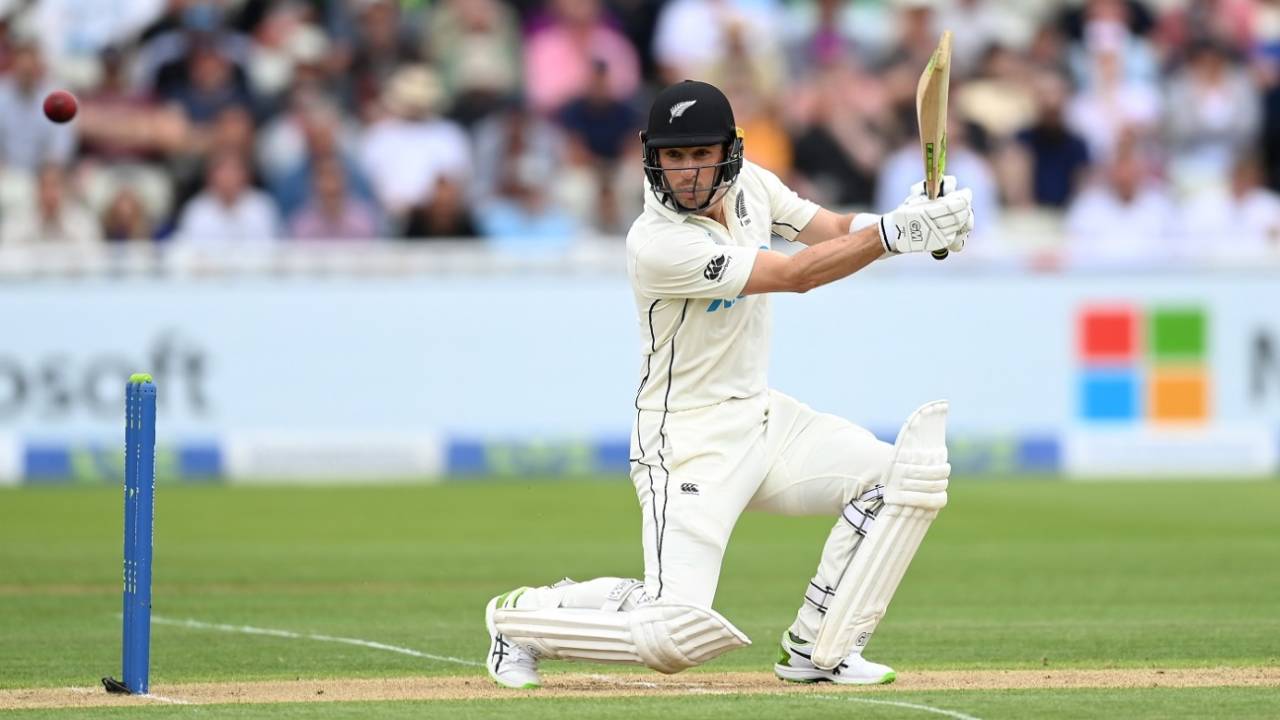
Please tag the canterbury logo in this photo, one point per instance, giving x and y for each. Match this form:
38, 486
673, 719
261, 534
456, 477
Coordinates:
689, 488
678, 109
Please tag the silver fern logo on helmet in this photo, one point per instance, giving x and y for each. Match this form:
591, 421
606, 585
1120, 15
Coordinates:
678, 109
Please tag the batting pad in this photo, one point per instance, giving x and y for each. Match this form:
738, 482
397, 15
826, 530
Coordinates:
915, 490
667, 638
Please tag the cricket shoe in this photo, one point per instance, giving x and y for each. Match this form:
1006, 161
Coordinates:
794, 665
509, 664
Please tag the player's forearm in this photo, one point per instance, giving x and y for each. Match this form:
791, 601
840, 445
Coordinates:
839, 257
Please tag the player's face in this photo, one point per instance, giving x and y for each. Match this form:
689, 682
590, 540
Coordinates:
691, 171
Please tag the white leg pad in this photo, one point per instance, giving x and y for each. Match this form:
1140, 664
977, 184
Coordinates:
667, 638
915, 490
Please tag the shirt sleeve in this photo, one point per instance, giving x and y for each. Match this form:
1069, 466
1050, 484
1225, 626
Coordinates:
790, 212
687, 264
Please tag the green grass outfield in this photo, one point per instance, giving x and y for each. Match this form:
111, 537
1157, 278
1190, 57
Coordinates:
1014, 575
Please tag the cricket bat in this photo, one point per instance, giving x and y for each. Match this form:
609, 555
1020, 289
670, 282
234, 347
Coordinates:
931, 117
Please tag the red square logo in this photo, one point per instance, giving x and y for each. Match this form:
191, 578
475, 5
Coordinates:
1109, 334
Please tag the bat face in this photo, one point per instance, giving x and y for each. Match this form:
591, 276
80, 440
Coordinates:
931, 113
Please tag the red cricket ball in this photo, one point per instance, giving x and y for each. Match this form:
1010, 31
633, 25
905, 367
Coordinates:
60, 106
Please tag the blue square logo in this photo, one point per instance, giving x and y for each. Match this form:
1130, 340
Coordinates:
1109, 395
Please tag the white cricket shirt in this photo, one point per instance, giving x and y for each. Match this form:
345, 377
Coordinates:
702, 341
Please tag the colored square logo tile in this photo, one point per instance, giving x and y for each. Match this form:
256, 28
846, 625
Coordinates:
1109, 395
1178, 395
1108, 334
1177, 334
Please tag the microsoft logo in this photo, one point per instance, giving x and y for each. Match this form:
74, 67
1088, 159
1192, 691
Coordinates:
1138, 364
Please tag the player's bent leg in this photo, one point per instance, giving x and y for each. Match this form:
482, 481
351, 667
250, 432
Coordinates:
623, 627
511, 664
915, 489
795, 664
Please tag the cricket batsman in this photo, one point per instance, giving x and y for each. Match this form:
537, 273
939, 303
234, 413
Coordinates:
711, 439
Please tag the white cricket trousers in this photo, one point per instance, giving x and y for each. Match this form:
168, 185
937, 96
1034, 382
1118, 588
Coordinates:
696, 471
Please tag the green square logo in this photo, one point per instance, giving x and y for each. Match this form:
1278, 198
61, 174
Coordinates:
1177, 334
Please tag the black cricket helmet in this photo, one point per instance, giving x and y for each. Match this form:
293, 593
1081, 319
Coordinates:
689, 114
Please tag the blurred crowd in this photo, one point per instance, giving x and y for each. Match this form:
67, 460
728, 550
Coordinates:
1109, 129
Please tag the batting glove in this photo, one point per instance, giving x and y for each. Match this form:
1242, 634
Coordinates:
923, 225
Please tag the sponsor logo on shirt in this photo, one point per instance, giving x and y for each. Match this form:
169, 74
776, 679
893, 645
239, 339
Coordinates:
715, 269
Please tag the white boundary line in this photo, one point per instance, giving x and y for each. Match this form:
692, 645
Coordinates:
250, 630
898, 703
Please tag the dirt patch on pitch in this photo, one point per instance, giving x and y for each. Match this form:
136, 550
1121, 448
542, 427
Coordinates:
628, 684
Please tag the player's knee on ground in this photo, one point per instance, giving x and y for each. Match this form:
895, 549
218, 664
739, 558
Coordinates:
662, 636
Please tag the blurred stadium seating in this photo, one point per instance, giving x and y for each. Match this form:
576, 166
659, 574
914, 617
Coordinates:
1103, 130
248, 180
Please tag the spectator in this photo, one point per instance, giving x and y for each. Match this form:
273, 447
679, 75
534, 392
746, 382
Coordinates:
1124, 219
228, 209
27, 139
476, 47
523, 213
843, 119
443, 216
333, 213
998, 100
126, 219
1212, 113
558, 59
1229, 23
915, 31
211, 85
406, 153
1238, 223
1112, 104
73, 32
165, 60
752, 71
290, 51
1055, 157
289, 147
766, 142
1116, 26
516, 135
977, 26
691, 35
598, 126
54, 219
383, 45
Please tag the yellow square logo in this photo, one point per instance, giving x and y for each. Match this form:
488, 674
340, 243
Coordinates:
1178, 395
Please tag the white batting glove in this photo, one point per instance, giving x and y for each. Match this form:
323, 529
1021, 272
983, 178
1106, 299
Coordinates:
965, 230
923, 225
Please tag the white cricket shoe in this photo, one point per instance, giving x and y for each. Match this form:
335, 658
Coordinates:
794, 665
509, 664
